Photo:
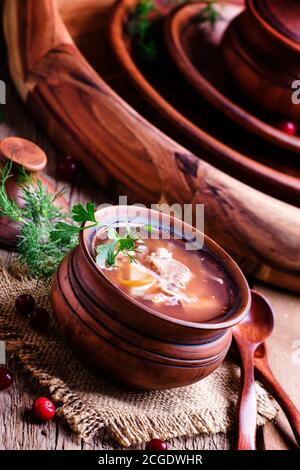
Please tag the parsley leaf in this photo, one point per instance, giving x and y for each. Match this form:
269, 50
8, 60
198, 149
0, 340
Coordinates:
126, 244
105, 253
63, 232
84, 214
112, 234
108, 252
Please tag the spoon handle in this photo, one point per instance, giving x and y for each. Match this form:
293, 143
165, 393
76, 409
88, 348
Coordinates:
246, 408
290, 410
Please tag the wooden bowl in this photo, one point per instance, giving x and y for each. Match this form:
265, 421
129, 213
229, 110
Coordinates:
114, 332
21, 152
281, 20
282, 17
169, 101
197, 55
263, 62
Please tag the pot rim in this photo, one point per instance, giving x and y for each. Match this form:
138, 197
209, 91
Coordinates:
231, 267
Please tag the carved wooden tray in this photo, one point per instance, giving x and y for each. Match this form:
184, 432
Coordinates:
198, 55
89, 120
201, 128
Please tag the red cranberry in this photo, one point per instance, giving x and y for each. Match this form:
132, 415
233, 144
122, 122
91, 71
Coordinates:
25, 304
68, 169
156, 444
288, 127
6, 378
43, 409
39, 319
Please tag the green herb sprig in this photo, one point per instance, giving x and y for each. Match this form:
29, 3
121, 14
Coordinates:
108, 252
208, 13
64, 232
47, 234
37, 218
141, 25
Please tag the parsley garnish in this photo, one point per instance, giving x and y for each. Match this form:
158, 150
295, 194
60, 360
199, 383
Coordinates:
108, 252
64, 232
87, 214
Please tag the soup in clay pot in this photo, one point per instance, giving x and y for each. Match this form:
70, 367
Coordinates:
161, 273
141, 308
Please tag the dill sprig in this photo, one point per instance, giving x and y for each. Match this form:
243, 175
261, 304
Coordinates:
38, 253
8, 207
47, 234
38, 217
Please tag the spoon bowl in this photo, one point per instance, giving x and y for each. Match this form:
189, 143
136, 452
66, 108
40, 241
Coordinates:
258, 324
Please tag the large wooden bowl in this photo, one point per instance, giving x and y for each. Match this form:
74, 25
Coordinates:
198, 125
197, 55
113, 332
90, 121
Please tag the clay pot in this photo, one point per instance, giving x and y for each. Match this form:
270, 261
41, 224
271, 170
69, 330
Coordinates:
127, 341
263, 59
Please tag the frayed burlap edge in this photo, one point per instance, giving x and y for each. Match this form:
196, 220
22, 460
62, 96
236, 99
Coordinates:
125, 429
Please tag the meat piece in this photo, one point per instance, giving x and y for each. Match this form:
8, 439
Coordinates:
172, 273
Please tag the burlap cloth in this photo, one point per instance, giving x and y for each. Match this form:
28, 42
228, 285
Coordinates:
89, 403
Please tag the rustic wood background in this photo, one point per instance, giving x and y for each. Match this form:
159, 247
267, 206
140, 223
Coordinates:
17, 431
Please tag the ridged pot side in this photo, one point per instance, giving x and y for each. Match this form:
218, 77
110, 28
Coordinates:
144, 318
112, 332
108, 357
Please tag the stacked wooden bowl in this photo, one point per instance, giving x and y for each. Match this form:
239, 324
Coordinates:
127, 341
159, 138
262, 54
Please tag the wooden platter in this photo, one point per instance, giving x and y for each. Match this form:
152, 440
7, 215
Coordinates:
205, 131
197, 53
87, 119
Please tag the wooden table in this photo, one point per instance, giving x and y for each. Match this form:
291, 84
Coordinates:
16, 429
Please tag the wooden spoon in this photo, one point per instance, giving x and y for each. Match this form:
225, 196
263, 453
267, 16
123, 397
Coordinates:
249, 334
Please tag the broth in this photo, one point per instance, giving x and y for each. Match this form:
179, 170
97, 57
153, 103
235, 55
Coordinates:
183, 284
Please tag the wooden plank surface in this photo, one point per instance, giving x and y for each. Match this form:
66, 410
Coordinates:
17, 431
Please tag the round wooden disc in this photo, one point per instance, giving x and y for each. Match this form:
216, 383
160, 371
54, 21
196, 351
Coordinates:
23, 152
